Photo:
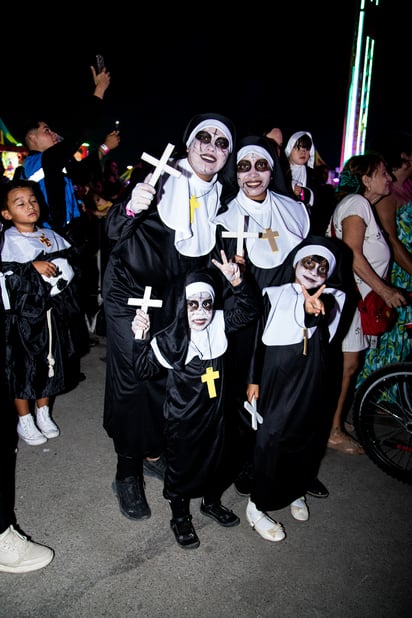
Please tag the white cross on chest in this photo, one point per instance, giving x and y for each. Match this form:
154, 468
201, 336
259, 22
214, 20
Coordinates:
240, 234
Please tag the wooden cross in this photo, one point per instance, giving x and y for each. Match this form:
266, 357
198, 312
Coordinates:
144, 303
252, 409
240, 234
270, 235
209, 378
161, 165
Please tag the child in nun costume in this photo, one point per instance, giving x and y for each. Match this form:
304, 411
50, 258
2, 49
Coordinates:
292, 381
192, 349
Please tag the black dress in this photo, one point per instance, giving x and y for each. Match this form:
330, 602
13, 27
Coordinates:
195, 424
297, 386
143, 253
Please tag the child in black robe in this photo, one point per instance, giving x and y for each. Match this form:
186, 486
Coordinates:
46, 332
292, 381
192, 349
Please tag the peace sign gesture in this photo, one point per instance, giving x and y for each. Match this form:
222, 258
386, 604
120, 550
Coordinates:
313, 304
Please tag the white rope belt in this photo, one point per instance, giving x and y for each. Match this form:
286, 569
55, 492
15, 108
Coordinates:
50, 358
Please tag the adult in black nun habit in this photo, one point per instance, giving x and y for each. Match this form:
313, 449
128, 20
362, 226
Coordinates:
156, 235
292, 380
191, 348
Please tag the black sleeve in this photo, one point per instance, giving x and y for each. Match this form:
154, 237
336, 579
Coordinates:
144, 360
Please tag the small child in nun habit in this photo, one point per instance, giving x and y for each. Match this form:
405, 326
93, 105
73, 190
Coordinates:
292, 383
192, 348
46, 332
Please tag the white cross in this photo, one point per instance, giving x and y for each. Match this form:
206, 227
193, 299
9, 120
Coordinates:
144, 303
252, 409
161, 164
240, 234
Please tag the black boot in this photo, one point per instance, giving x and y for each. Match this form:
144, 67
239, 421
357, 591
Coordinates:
131, 496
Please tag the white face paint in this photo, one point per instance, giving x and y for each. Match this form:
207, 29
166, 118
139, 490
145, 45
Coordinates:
310, 272
199, 310
208, 152
253, 175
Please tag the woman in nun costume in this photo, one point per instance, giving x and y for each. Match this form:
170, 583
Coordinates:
156, 234
191, 348
292, 380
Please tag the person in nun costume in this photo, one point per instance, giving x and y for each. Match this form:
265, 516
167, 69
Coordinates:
156, 234
192, 349
300, 152
292, 383
46, 333
256, 193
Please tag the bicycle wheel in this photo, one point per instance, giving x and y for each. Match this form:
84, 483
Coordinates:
382, 417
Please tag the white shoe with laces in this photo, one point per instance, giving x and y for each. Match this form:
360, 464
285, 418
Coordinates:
45, 424
299, 509
265, 526
28, 432
19, 555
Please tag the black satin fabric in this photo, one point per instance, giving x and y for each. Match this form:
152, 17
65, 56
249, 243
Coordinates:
27, 333
296, 403
195, 423
143, 254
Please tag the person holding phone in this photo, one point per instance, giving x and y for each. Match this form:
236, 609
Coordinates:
52, 165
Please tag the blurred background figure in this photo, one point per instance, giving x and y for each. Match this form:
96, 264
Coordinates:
364, 180
395, 215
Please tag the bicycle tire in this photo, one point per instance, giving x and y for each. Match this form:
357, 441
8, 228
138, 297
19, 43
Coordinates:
382, 417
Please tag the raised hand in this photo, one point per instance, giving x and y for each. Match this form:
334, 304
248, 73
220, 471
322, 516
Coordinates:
313, 304
142, 196
230, 270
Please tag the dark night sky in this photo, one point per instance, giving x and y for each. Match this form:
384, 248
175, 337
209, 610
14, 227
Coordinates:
261, 69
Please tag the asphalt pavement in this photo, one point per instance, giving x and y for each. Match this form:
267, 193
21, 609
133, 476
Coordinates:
353, 558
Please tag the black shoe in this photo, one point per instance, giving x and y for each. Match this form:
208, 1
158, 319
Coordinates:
317, 489
220, 513
156, 468
131, 497
184, 531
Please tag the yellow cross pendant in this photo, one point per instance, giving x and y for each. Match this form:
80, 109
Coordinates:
305, 342
209, 378
194, 203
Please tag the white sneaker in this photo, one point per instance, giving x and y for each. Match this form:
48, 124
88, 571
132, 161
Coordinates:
299, 509
19, 555
28, 431
45, 424
265, 526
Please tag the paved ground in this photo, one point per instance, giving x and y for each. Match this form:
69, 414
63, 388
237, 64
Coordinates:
351, 559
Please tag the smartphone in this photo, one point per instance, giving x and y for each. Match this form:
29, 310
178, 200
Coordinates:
117, 125
99, 63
